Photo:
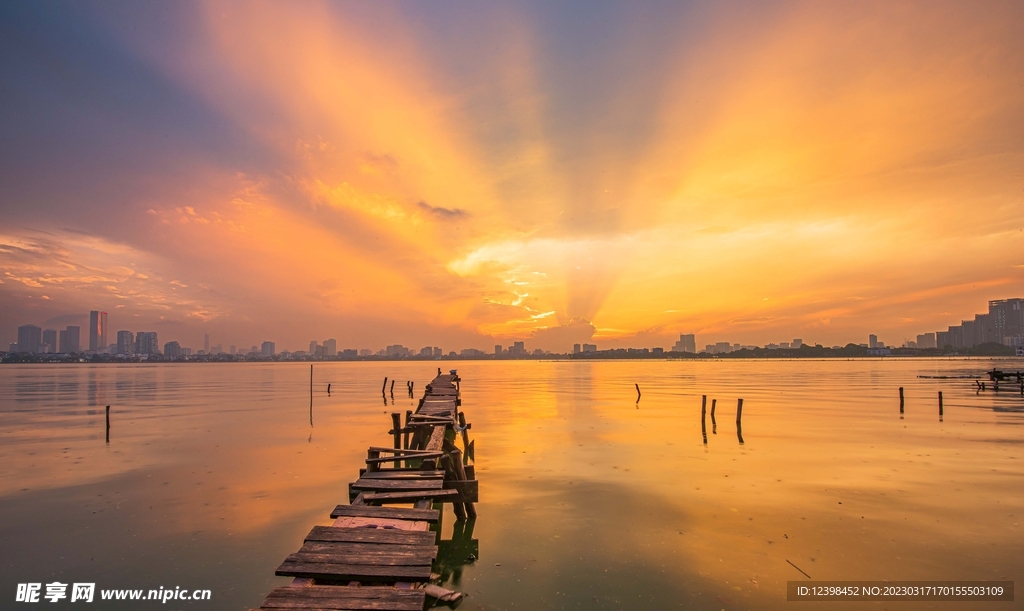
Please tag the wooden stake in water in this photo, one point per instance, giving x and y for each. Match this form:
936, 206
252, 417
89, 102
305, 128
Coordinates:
901, 399
637, 392
703, 418
714, 423
940, 405
739, 425
108, 424
383, 389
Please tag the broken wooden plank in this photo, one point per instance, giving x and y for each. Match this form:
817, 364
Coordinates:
469, 491
400, 474
353, 572
345, 598
389, 560
408, 496
394, 513
391, 536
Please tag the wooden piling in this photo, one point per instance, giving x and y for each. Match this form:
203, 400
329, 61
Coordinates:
108, 424
392, 388
637, 392
714, 423
460, 471
901, 399
739, 424
940, 404
383, 389
408, 417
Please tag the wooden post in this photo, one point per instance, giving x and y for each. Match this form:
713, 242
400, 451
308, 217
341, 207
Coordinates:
703, 418
392, 388
940, 404
901, 399
714, 423
465, 432
461, 472
739, 424
108, 424
396, 424
408, 417
382, 388
637, 391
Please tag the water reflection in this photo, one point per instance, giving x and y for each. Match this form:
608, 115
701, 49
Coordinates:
584, 503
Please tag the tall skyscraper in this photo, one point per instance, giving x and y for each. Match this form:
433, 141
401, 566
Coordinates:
69, 339
29, 337
1007, 316
267, 349
125, 342
49, 340
330, 347
172, 349
872, 341
97, 330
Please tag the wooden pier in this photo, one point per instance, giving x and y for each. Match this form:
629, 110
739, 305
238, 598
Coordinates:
377, 555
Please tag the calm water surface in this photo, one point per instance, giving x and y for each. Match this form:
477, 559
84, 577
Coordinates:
213, 474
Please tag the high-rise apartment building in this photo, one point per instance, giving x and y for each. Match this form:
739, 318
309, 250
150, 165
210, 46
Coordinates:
872, 341
49, 340
146, 343
576, 349
969, 331
172, 349
125, 342
314, 348
97, 330
687, 343
267, 349
1007, 318
926, 340
29, 338
69, 340
330, 347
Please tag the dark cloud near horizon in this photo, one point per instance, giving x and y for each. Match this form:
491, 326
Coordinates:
443, 213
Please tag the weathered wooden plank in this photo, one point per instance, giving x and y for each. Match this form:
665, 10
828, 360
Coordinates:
436, 440
394, 513
383, 459
392, 536
345, 598
414, 453
360, 559
383, 485
353, 572
373, 549
409, 496
400, 474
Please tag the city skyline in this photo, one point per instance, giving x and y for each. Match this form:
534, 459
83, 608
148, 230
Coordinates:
472, 175
1003, 323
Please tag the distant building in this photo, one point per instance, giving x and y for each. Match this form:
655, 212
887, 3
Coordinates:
172, 349
206, 343
125, 342
426, 351
29, 338
233, 349
49, 341
517, 348
784, 345
926, 340
1007, 318
576, 349
97, 330
969, 333
396, 350
314, 348
872, 341
472, 352
687, 343
658, 350
330, 347
438, 352
365, 352
146, 343
217, 349
942, 340
267, 349
798, 343
498, 349
69, 339
349, 353
588, 348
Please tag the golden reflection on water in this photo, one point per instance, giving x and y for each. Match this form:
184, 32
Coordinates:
588, 498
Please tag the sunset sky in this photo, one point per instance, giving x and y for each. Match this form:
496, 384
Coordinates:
464, 174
